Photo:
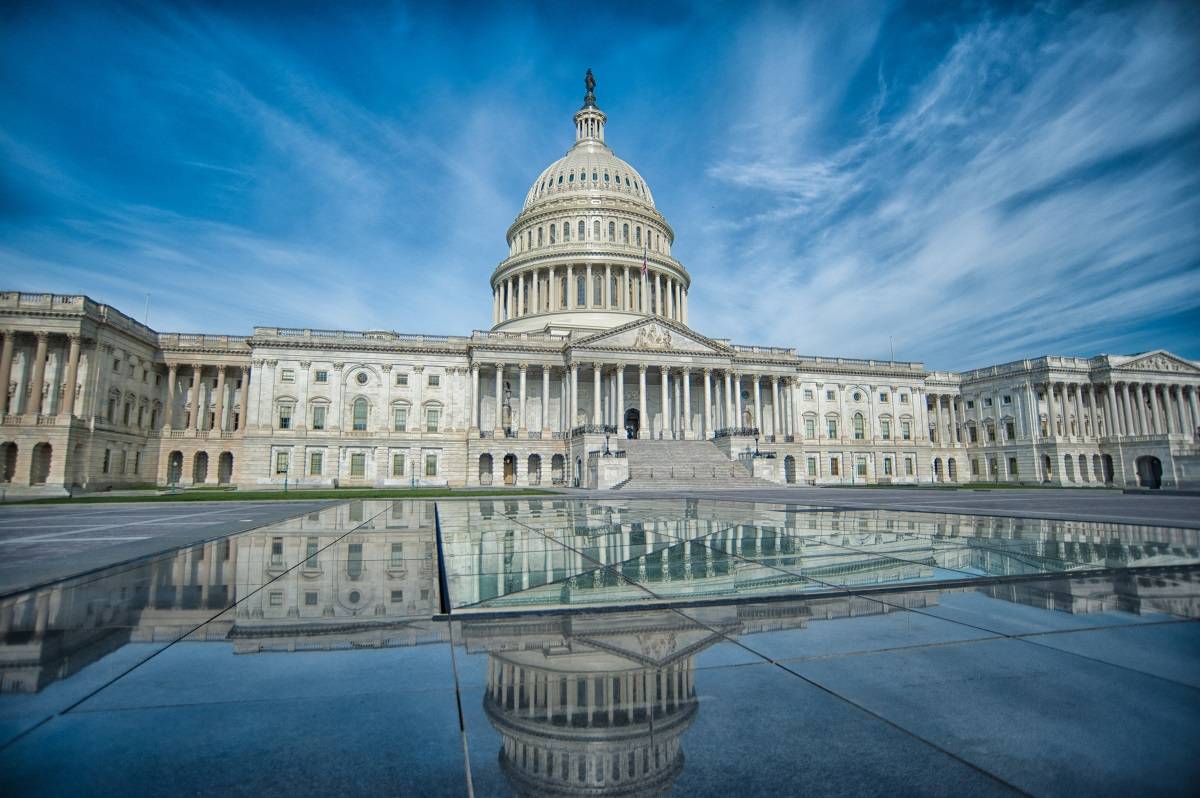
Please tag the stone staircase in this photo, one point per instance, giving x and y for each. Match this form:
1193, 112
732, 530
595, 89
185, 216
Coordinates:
695, 465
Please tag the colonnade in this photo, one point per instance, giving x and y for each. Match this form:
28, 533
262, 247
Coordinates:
39, 400
605, 287
723, 406
197, 403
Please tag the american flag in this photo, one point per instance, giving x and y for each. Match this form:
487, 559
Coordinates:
645, 271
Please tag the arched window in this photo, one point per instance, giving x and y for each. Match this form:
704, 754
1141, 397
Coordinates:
606, 177
594, 176
613, 291
360, 414
560, 180
637, 236
598, 289
539, 236
582, 230
596, 230
553, 234
433, 417
625, 233
580, 289
566, 231
571, 178
612, 228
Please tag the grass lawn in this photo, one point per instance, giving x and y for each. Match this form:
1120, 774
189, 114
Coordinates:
294, 495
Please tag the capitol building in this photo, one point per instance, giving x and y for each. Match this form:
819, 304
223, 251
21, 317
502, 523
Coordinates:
590, 375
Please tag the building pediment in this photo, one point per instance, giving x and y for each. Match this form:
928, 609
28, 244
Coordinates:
653, 335
1159, 361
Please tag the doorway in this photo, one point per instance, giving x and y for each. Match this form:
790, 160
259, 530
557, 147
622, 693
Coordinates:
510, 469
633, 422
1149, 472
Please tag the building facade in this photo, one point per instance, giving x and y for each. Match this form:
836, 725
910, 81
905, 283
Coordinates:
591, 351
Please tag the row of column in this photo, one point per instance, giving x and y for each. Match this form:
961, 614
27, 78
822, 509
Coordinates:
196, 403
541, 290
1152, 409
36, 373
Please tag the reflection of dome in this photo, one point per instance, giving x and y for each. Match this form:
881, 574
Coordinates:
576, 249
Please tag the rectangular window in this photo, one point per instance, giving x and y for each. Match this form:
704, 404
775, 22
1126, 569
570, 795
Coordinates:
285, 416
276, 551
397, 596
830, 395
310, 598
860, 468
885, 429
991, 434
318, 419
432, 415
398, 464
137, 462
116, 365
812, 466
883, 397
281, 462
402, 379
810, 428
424, 594
974, 467
908, 466
1012, 467
107, 460
276, 598
903, 398
310, 552
905, 430
431, 465
887, 466
354, 560
435, 380
1010, 430
833, 466
287, 375
400, 419
808, 394
358, 464
397, 555
316, 462
987, 401
974, 434
970, 404
831, 427
1007, 399
321, 376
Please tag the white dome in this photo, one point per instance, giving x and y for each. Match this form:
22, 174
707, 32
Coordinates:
590, 167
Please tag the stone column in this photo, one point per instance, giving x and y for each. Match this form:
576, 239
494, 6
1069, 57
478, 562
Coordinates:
953, 421
1156, 409
658, 294
474, 396
607, 293
218, 424
1124, 409
1051, 412
498, 426
571, 292
685, 306
737, 400
6, 359
758, 419
670, 287
522, 424
597, 419
665, 398
244, 412
589, 288
643, 422
574, 405
619, 405
625, 303
1195, 406
169, 404
197, 393
728, 398
520, 278
546, 373
68, 407
36, 382
775, 414
708, 402
1143, 423
1110, 411
687, 403
552, 290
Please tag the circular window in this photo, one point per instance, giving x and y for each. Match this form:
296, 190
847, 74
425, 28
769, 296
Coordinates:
354, 596
362, 378
857, 396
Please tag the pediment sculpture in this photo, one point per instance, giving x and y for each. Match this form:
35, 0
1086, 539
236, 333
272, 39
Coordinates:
652, 337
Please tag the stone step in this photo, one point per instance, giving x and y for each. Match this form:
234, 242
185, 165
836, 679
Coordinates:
657, 465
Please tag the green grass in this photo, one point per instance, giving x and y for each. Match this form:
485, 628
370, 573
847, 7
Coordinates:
293, 495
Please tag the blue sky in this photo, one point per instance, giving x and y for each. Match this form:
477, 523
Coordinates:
968, 185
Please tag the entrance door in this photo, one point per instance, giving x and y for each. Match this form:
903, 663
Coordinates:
510, 469
1149, 471
633, 422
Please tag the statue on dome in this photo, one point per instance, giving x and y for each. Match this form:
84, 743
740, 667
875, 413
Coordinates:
589, 99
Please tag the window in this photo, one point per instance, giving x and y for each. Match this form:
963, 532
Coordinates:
360, 414
883, 397
553, 234
991, 433
310, 598
973, 434
402, 379
397, 555
398, 464
857, 396
908, 466
321, 376
397, 596
596, 230
905, 430
116, 365
582, 231
831, 427
612, 226
1012, 466
1007, 399
434, 380
310, 552
399, 418
281, 462
276, 551
539, 236
276, 598
425, 597
887, 466
318, 416
810, 428
137, 462
580, 290
860, 467
358, 464
830, 395
637, 236
354, 561
903, 398
970, 404
812, 466
316, 462
859, 431
431, 464
107, 461
285, 415
1010, 430
808, 393
885, 429
432, 416
625, 234
833, 466
287, 375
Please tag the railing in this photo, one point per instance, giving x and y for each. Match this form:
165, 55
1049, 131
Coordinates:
487, 433
558, 436
734, 432
352, 335
789, 438
509, 432
746, 456
594, 429
535, 436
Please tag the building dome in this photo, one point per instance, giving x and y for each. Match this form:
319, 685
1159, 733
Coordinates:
578, 246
